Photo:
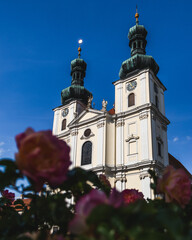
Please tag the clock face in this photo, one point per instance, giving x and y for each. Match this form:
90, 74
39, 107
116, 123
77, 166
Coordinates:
132, 85
65, 112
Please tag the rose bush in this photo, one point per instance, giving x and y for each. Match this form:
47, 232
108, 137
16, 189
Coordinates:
8, 195
42, 157
85, 207
176, 186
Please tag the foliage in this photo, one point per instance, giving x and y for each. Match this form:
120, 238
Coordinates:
84, 206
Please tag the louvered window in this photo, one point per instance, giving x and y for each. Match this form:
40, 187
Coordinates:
131, 99
64, 122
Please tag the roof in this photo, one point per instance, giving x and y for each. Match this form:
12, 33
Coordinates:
26, 201
111, 111
177, 164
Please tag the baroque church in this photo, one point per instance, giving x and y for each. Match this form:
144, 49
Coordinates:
126, 141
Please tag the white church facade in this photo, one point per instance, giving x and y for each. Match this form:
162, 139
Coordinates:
126, 141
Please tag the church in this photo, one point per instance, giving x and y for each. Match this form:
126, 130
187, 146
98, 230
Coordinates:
124, 142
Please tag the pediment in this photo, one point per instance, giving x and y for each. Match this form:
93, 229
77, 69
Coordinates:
86, 116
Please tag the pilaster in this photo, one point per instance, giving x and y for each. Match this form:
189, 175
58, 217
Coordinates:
119, 142
100, 143
74, 135
144, 136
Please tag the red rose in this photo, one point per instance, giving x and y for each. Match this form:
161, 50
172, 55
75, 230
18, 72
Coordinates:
176, 186
131, 195
8, 195
42, 157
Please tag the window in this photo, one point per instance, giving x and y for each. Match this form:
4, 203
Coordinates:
156, 101
132, 147
139, 44
159, 149
155, 88
131, 99
134, 45
86, 155
63, 127
87, 132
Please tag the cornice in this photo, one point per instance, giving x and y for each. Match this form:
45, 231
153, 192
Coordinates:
68, 104
132, 75
143, 110
65, 134
103, 115
74, 132
157, 114
120, 123
137, 166
100, 124
135, 110
143, 115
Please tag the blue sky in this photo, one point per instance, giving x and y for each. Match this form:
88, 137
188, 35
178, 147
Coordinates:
38, 40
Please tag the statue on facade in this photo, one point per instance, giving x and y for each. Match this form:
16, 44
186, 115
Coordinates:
89, 103
104, 105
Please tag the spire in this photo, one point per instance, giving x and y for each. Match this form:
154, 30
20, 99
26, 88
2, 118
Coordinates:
77, 91
137, 35
138, 60
78, 68
137, 16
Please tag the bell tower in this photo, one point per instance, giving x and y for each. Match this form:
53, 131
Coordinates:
141, 124
74, 99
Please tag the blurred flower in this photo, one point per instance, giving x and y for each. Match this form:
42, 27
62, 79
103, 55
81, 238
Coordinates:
104, 180
86, 204
8, 195
83, 208
42, 157
38, 235
55, 237
116, 198
30, 235
176, 186
131, 195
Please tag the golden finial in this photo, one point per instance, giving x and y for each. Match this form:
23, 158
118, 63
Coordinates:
79, 48
137, 16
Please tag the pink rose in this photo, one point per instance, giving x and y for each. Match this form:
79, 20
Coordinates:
8, 195
131, 195
176, 186
87, 203
42, 157
84, 207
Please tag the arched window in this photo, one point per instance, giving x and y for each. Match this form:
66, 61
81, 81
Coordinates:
86, 155
64, 123
131, 99
134, 45
139, 44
